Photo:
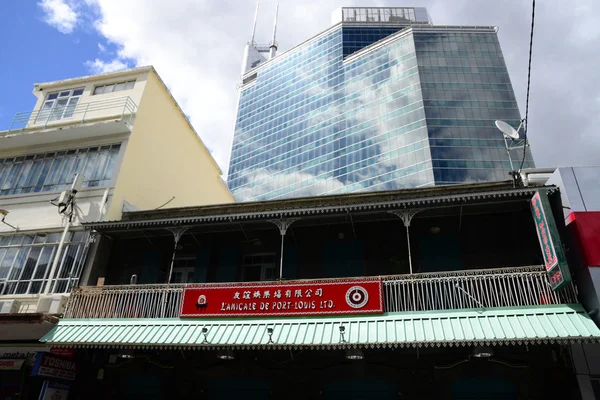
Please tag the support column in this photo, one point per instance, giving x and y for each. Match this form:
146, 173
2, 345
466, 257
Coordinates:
283, 225
406, 216
177, 234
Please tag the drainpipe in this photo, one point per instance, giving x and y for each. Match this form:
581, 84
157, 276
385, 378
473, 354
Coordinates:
57, 256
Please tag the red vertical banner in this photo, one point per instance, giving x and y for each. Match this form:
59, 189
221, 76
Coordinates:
550, 243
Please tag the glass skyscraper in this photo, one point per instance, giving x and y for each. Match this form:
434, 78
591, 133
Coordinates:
382, 100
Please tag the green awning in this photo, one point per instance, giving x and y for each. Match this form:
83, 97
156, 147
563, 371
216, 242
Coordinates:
539, 324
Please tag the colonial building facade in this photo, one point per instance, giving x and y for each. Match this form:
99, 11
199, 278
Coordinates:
443, 292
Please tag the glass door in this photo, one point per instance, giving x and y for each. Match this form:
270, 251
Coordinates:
59, 105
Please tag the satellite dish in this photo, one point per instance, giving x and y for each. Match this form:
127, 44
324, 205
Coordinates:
507, 130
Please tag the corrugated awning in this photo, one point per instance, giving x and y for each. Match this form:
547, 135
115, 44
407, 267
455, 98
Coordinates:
535, 325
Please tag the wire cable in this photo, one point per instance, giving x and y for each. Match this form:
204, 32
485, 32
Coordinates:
526, 120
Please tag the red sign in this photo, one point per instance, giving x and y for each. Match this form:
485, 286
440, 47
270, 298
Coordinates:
288, 299
554, 256
63, 351
543, 231
11, 364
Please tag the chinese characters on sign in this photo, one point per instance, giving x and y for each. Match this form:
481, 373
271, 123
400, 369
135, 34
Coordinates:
343, 297
554, 257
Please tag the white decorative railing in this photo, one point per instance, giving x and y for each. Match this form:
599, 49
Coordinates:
506, 287
130, 301
122, 107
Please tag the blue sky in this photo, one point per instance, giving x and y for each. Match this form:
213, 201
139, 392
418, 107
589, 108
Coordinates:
196, 46
33, 51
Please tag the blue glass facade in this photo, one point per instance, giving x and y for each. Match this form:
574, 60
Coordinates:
356, 38
338, 115
466, 87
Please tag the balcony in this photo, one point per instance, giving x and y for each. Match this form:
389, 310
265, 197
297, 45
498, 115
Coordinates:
469, 289
122, 107
96, 118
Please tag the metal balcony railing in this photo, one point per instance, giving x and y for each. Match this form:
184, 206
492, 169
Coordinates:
507, 287
488, 288
122, 107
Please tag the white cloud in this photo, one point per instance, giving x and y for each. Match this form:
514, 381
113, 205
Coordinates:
101, 48
192, 50
197, 49
98, 66
285, 180
59, 14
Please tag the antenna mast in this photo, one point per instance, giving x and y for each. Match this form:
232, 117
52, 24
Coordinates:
273, 44
254, 26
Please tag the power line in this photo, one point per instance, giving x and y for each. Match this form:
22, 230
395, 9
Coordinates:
526, 120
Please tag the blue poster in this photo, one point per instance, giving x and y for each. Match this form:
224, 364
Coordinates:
54, 391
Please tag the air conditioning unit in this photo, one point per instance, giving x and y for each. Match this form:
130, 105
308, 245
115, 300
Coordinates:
9, 306
53, 304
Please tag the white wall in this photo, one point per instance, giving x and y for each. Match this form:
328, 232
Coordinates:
90, 107
135, 94
33, 212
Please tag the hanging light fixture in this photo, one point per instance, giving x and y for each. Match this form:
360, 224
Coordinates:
126, 354
482, 352
354, 354
226, 355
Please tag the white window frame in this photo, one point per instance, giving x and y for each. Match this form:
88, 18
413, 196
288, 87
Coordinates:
25, 256
114, 87
20, 175
53, 111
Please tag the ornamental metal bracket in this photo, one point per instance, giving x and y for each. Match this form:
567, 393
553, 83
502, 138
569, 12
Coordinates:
283, 224
177, 233
406, 215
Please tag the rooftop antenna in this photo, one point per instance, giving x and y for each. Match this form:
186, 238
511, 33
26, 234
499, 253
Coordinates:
251, 53
273, 44
254, 26
508, 132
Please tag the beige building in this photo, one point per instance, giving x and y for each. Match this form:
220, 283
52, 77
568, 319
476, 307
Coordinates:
125, 134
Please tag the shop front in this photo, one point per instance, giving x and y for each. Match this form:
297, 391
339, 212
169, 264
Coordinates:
16, 362
329, 339
35, 371
512, 372
459, 292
